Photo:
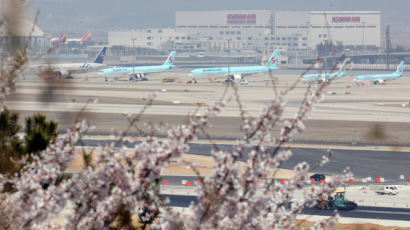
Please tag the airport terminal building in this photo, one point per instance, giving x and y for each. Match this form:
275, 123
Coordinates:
258, 30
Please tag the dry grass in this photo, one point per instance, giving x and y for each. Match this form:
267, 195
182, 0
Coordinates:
205, 165
307, 224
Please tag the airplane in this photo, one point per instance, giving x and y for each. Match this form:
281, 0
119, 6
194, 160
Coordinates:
324, 77
64, 70
60, 40
238, 72
80, 40
139, 72
380, 78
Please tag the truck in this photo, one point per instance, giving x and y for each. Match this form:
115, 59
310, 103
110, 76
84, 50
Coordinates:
336, 200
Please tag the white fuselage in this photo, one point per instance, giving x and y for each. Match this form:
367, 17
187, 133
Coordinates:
77, 67
69, 68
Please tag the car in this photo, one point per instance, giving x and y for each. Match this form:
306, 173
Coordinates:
318, 177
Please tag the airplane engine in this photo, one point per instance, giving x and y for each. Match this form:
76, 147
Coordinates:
142, 77
137, 77
323, 81
379, 82
235, 77
62, 74
49, 73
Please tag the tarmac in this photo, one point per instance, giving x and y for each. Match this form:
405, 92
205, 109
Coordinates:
349, 116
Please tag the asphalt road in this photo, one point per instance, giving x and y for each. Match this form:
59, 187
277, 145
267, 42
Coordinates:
384, 213
363, 163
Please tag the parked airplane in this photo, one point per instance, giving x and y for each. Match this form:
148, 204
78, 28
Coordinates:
139, 72
380, 78
64, 40
60, 40
80, 40
324, 77
65, 70
238, 72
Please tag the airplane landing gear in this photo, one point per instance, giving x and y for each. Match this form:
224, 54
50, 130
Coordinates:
193, 81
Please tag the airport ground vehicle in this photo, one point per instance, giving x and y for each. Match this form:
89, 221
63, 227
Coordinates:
318, 177
336, 200
243, 82
389, 190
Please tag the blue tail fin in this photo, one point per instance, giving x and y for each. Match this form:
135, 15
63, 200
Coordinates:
170, 58
400, 68
274, 58
100, 56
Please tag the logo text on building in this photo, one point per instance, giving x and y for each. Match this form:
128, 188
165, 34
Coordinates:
241, 19
345, 19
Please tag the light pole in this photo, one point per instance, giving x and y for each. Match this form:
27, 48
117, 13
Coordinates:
308, 35
133, 56
229, 54
364, 46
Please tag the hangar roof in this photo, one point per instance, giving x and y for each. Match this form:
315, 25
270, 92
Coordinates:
22, 28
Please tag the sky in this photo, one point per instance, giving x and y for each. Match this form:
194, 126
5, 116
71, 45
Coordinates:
103, 15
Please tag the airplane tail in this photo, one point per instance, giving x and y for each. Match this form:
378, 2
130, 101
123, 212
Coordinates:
86, 36
274, 58
61, 39
100, 56
342, 68
400, 68
170, 59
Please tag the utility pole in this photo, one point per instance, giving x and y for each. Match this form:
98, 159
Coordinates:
133, 56
388, 46
364, 45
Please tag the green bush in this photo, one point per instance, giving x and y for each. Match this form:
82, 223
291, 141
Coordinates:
39, 133
10, 145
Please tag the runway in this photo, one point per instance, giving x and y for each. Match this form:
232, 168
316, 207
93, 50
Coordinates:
181, 99
347, 114
363, 163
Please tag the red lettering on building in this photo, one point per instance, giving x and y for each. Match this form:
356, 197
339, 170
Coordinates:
338, 19
241, 19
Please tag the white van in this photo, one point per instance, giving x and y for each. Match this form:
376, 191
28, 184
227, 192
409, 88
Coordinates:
388, 189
